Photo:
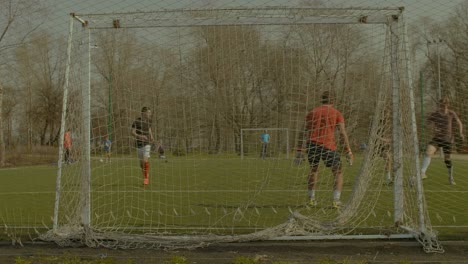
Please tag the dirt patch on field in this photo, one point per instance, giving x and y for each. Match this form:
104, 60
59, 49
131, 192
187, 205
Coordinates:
265, 252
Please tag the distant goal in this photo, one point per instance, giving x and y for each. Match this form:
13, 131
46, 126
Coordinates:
278, 145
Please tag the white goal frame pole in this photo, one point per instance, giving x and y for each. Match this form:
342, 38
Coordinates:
58, 181
85, 187
261, 129
414, 133
397, 130
86, 154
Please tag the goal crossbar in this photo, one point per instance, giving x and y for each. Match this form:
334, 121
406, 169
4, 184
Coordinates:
232, 17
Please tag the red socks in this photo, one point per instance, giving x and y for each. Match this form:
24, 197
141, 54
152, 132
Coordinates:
146, 169
146, 173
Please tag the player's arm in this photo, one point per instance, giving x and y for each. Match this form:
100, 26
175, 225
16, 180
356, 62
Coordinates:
460, 126
344, 136
150, 133
301, 137
136, 135
300, 143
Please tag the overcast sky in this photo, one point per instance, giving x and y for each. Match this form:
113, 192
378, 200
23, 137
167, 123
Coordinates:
59, 10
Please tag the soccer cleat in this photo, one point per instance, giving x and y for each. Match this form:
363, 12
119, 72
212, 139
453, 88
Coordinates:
423, 176
336, 204
452, 181
145, 181
312, 202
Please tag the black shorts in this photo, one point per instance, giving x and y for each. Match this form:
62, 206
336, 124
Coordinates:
316, 152
445, 145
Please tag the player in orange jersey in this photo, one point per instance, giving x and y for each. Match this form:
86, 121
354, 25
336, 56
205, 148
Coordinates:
320, 126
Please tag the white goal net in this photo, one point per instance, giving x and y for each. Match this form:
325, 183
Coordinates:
209, 77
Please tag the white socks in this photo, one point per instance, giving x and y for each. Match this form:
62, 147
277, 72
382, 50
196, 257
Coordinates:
388, 176
425, 164
336, 195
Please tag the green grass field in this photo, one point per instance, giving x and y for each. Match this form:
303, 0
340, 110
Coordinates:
211, 195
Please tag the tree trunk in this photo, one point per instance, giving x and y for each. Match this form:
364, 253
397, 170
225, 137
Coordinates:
2, 142
44, 132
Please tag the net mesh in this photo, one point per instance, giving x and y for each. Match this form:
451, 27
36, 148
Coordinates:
208, 74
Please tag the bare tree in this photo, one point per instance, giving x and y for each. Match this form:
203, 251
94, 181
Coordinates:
40, 65
228, 75
2, 142
11, 11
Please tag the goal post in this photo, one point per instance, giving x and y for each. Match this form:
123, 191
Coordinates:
282, 142
212, 79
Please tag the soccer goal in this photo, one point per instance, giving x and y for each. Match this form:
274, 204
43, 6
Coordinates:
209, 76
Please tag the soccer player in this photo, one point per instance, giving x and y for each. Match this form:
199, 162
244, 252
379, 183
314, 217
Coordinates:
264, 139
160, 149
385, 137
67, 144
141, 130
320, 126
107, 148
442, 120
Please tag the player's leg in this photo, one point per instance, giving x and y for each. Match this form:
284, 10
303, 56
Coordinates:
140, 157
107, 152
263, 153
313, 156
311, 181
447, 149
333, 161
430, 150
67, 156
146, 155
388, 165
162, 154
141, 161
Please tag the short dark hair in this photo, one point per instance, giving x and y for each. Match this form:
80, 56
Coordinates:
328, 97
145, 109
